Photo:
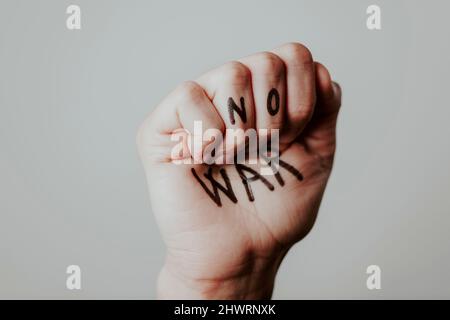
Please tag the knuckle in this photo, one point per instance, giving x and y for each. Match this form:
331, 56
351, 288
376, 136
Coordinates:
189, 90
298, 53
236, 73
269, 63
338, 90
304, 112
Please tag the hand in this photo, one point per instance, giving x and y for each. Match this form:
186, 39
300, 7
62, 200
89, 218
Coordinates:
226, 227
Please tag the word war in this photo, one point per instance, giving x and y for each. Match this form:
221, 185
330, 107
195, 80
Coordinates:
247, 175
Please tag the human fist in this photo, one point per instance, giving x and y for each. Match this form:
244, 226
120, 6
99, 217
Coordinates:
228, 221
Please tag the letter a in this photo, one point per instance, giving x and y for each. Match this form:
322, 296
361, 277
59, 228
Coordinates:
374, 20
73, 22
74, 280
374, 280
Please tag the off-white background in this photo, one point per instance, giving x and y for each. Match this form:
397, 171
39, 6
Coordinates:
72, 190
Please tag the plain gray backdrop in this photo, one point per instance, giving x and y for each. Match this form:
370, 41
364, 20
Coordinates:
72, 189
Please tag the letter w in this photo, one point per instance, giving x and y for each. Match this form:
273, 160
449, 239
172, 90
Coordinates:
216, 186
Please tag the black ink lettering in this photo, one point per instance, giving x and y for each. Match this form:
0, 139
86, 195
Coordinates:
270, 108
292, 170
232, 107
288, 168
256, 176
214, 195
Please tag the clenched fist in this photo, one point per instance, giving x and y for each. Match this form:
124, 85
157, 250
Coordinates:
227, 226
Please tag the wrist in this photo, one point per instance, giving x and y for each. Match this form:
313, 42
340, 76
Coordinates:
256, 282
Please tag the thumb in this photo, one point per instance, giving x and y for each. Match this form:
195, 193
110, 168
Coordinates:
162, 138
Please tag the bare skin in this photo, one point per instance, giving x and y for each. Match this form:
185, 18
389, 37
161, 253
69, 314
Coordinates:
233, 251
